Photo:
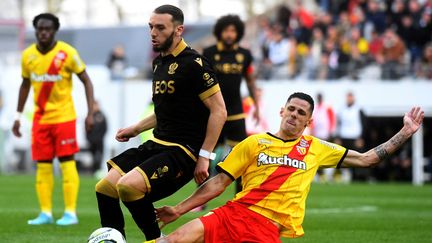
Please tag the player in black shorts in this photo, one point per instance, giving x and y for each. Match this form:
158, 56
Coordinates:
189, 115
231, 63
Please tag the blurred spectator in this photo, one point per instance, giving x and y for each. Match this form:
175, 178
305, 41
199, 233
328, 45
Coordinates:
324, 120
313, 61
351, 121
117, 62
323, 127
424, 69
95, 137
283, 16
281, 55
376, 16
397, 11
357, 48
337, 60
375, 47
391, 56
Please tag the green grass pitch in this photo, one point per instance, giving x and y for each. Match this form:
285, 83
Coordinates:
335, 213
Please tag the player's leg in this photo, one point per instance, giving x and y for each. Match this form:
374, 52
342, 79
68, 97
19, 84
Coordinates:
107, 196
157, 177
65, 147
43, 153
235, 133
193, 231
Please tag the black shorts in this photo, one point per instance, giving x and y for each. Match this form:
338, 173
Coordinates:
165, 169
233, 132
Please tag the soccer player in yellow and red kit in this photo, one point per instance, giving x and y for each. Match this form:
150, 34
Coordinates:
47, 66
277, 171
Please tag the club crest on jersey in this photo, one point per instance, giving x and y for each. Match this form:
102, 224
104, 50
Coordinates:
239, 57
302, 147
217, 57
172, 67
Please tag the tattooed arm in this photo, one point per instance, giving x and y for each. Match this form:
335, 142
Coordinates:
412, 122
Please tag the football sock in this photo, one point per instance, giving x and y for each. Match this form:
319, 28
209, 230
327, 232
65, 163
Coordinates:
109, 206
70, 185
44, 186
142, 211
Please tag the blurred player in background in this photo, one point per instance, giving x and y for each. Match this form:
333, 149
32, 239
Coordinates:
189, 114
47, 66
277, 171
232, 63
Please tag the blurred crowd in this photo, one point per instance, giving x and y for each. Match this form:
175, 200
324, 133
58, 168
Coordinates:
345, 39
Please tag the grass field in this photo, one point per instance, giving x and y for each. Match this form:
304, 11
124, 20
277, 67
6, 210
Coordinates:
335, 213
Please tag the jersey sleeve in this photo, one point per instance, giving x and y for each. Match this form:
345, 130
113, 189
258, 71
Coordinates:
238, 159
76, 65
248, 64
203, 78
331, 154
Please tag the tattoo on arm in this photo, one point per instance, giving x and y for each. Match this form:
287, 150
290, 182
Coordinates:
381, 152
397, 140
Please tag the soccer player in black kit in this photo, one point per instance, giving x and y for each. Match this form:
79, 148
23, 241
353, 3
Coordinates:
189, 115
232, 63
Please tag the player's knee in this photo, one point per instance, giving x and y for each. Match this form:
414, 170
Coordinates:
128, 193
105, 187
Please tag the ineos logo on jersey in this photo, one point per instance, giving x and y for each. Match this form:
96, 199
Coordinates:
265, 159
229, 68
162, 87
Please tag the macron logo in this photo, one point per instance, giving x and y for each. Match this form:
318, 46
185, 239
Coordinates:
265, 159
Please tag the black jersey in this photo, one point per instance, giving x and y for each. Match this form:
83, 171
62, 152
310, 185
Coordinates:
230, 67
181, 81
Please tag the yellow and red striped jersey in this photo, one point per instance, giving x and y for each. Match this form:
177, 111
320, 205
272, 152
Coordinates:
51, 78
277, 174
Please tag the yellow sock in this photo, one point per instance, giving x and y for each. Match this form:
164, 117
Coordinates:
44, 186
70, 185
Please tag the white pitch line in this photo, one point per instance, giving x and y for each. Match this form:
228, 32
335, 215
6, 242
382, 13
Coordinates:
361, 209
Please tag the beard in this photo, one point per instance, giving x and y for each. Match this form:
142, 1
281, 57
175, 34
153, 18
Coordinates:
166, 45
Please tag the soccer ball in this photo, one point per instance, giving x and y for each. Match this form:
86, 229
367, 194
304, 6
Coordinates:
106, 235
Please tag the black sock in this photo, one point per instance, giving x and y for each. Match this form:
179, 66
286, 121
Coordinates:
110, 212
142, 211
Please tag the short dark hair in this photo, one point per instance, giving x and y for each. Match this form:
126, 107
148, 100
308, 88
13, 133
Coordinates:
227, 20
175, 12
48, 16
305, 97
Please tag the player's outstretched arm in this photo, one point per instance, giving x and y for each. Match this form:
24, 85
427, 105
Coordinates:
88, 87
123, 134
206, 192
22, 98
216, 120
412, 122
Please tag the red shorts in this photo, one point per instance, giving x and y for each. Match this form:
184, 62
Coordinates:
234, 223
53, 140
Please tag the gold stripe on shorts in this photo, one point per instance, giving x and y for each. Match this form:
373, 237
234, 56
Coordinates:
146, 180
156, 140
116, 167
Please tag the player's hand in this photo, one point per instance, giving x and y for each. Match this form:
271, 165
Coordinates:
413, 120
201, 170
256, 116
89, 121
166, 215
16, 128
123, 134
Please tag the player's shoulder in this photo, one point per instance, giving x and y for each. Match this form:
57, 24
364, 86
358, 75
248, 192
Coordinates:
65, 46
29, 49
245, 52
210, 49
191, 57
